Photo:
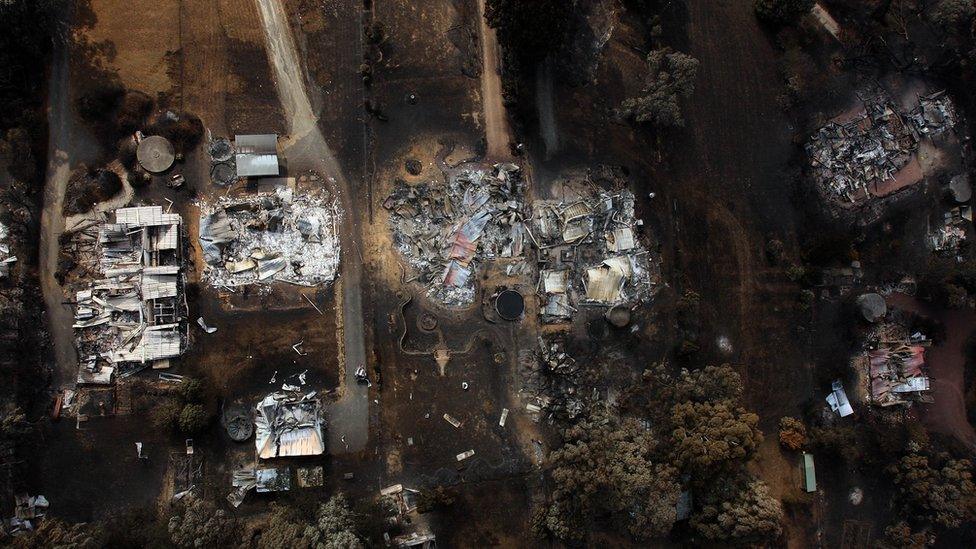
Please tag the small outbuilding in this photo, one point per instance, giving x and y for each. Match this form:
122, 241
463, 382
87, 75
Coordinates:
808, 472
256, 155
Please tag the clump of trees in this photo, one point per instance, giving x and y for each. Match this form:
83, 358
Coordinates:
332, 526
673, 431
782, 12
938, 488
670, 76
953, 13
739, 511
609, 467
792, 433
185, 410
199, 523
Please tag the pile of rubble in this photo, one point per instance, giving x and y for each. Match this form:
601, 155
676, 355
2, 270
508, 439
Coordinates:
855, 158
271, 236
947, 238
852, 158
134, 316
934, 115
557, 381
444, 231
6, 258
892, 369
589, 253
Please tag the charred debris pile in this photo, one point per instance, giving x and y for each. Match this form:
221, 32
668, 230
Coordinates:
584, 249
260, 238
445, 231
872, 152
130, 306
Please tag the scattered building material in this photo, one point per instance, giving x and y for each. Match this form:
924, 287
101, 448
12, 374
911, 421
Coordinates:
947, 238
135, 316
450, 419
288, 425
589, 253
872, 152
203, 325
892, 369
445, 231
6, 259
271, 236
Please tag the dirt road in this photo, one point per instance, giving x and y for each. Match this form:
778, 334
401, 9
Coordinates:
307, 150
497, 132
59, 315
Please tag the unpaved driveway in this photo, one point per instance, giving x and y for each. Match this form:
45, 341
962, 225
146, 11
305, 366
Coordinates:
497, 131
306, 149
59, 315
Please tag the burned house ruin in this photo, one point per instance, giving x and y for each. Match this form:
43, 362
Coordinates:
135, 315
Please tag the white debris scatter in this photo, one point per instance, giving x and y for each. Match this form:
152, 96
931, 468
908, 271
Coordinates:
590, 253
272, 236
445, 231
134, 315
5, 257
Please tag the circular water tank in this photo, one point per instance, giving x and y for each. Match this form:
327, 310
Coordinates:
155, 154
221, 150
618, 316
510, 305
239, 427
961, 189
873, 307
224, 173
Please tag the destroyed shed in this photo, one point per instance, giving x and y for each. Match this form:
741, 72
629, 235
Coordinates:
892, 369
289, 424
135, 314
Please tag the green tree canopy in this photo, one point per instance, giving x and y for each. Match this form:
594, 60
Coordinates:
606, 467
670, 76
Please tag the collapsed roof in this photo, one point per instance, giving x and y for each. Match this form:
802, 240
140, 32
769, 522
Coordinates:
288, 425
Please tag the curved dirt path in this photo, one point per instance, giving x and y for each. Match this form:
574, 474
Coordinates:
307, 150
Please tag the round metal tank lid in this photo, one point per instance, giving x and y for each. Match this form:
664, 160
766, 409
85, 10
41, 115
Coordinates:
961, 189
155, 154
618, 316
510, 305
239, 427
873, 307
221, 150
